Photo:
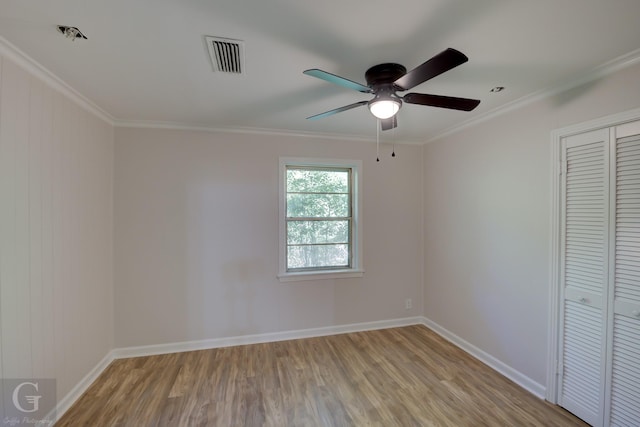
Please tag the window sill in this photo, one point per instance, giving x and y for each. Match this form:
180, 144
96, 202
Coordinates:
319, 275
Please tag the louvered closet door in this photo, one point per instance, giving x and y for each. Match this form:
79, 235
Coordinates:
623, 408
584, 273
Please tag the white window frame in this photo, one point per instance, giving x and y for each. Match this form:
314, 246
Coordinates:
356, 269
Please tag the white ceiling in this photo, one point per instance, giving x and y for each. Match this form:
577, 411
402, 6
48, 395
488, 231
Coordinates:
146, 60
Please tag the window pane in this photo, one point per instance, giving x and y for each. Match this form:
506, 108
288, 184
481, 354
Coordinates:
323, 195
317, 205
317, 181
317, 232
318, 256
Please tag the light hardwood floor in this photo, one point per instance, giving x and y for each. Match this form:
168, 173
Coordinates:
406, 376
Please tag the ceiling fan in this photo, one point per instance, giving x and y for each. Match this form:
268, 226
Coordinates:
384, 80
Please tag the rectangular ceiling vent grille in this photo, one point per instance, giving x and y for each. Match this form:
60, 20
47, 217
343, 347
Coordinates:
227, 55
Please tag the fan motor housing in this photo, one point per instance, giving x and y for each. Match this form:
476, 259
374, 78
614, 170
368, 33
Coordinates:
384, 74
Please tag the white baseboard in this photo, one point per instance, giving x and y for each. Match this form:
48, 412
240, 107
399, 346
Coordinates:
501, 367
65, 403
150, 350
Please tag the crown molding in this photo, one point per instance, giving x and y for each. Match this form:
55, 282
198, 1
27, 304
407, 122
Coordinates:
13, 53
598, 72
149, 124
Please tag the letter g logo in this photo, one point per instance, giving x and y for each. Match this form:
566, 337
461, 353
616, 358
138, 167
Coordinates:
33, 400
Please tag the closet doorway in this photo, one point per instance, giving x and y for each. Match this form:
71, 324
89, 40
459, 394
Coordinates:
594, 347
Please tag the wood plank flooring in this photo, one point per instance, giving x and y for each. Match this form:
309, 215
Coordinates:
405, 376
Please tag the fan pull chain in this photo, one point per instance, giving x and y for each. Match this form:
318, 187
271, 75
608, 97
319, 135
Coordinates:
393, 153
378, 140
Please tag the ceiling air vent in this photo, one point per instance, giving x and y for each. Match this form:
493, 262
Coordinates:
227, 55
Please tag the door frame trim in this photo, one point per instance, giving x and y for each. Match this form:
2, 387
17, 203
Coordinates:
551, 390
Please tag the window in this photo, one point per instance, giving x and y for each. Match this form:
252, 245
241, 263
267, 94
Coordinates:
318, 216
319, 207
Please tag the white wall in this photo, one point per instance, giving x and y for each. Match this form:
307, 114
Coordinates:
196, 234
487, 222
56, 269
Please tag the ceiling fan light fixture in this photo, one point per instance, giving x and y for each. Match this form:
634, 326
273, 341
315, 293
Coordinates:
384, 107
384, 80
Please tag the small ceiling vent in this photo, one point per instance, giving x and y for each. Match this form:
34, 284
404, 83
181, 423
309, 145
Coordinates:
227, 55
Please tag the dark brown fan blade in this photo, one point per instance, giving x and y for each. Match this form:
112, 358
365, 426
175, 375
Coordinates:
390, 123
444, 61
464, 104
338, 110
340, 81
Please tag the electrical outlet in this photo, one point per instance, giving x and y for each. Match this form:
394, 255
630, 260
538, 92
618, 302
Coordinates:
407, 303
